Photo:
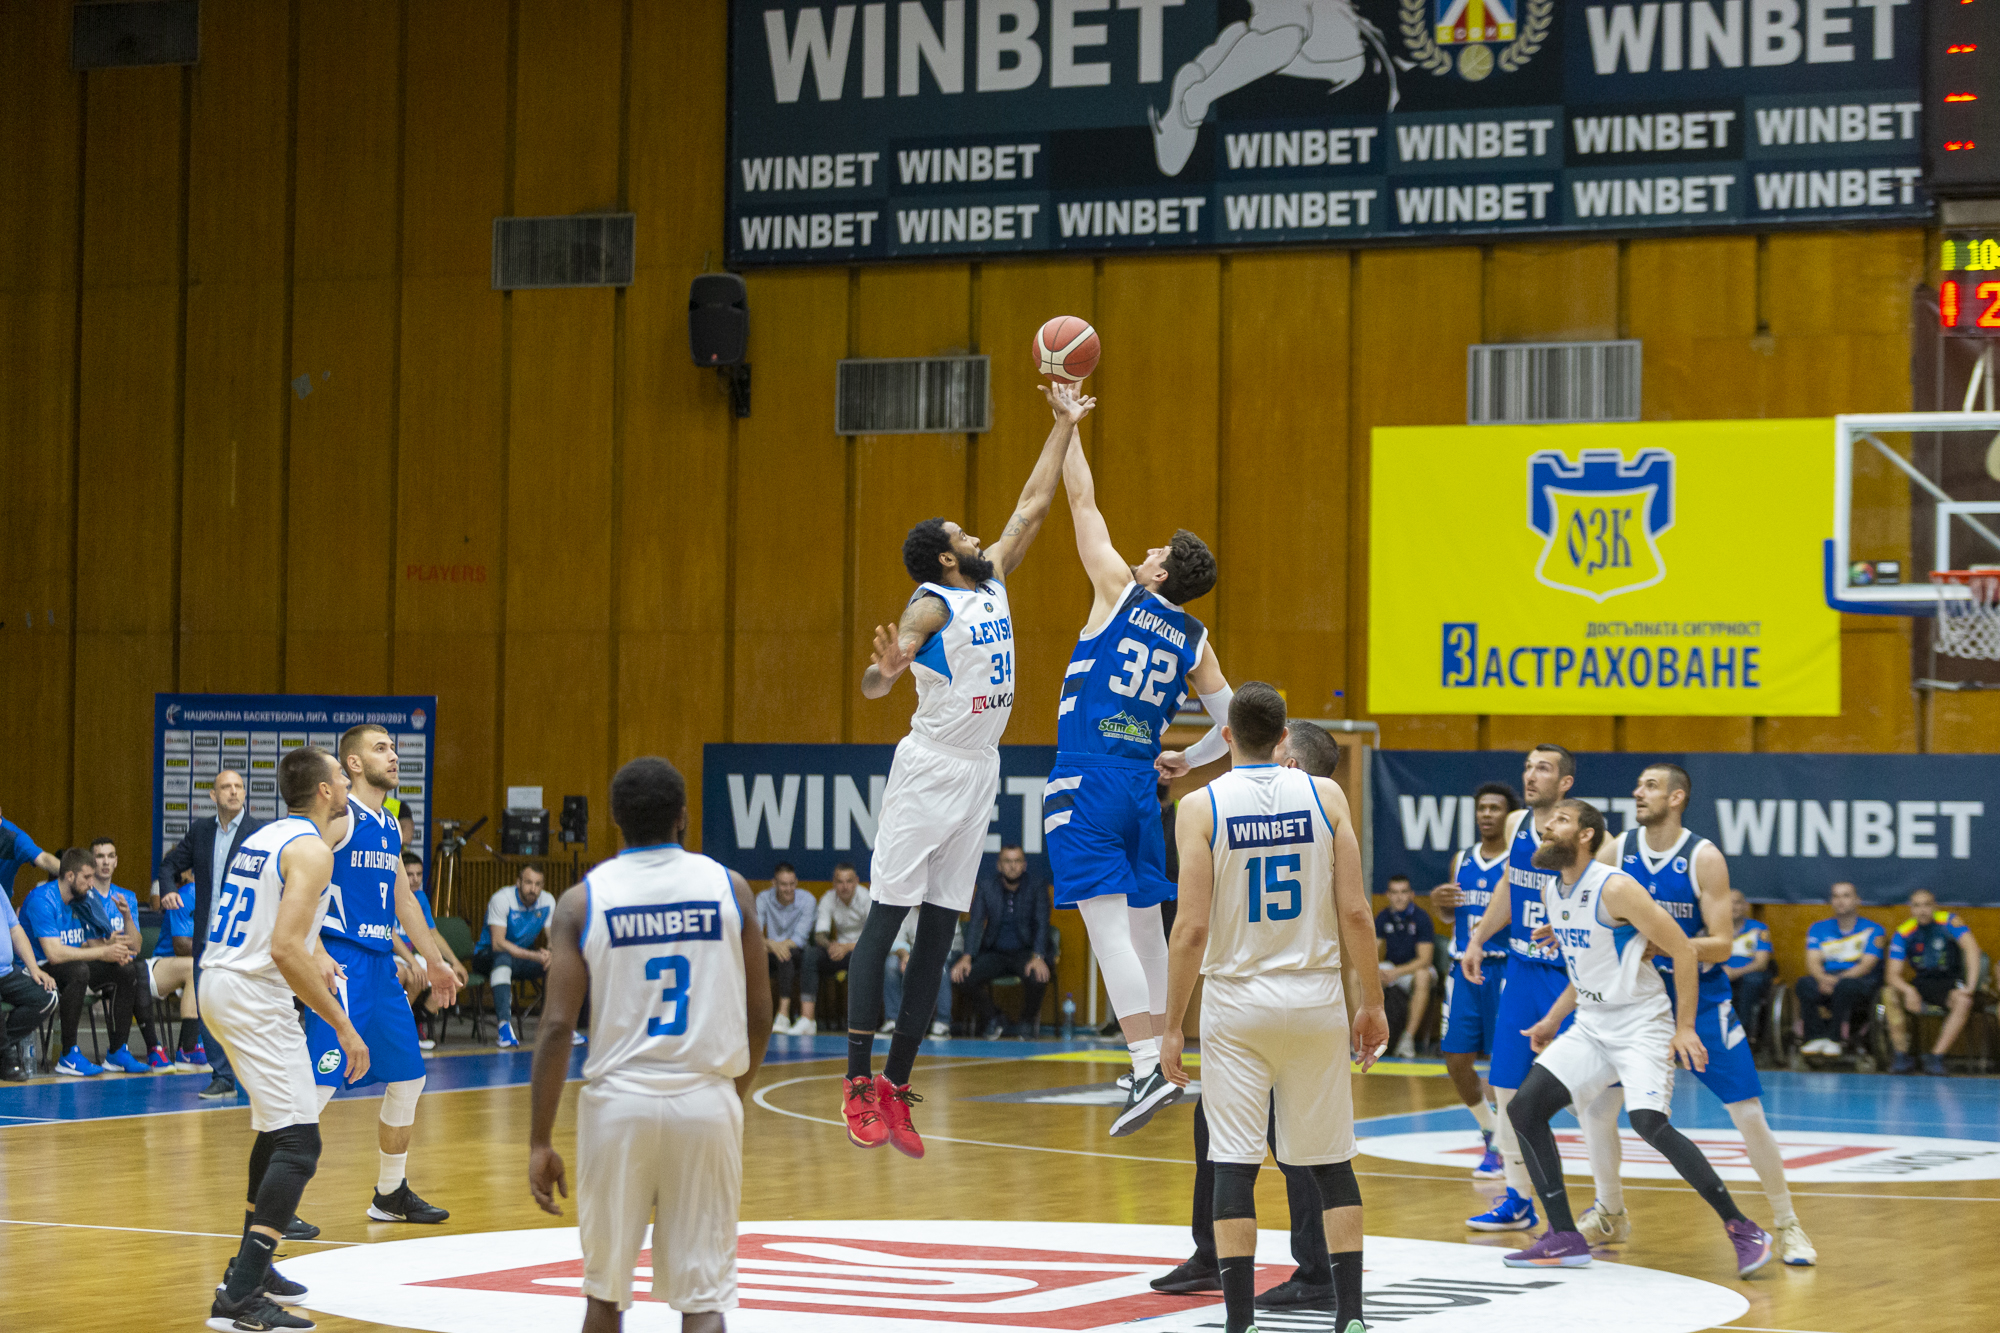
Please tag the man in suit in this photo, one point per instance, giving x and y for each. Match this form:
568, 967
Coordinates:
201, 856
1008, 936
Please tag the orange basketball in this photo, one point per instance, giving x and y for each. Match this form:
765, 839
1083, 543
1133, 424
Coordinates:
1065, 349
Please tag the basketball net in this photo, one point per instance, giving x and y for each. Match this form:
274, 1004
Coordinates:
1968, 626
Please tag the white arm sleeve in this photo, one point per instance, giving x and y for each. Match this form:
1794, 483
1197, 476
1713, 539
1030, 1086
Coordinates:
1211, 747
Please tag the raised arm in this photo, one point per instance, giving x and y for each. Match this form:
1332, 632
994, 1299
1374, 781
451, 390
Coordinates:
1070, 408
1106, 569
896, 649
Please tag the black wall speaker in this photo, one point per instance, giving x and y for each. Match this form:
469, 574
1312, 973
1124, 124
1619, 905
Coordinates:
718, 320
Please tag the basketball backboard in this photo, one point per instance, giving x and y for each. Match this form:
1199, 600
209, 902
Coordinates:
1913, 492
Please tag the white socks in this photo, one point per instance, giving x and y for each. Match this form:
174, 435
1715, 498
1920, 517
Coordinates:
1145, 1056
1762, 1147
1600, 1139
389, 1176
1482, 1113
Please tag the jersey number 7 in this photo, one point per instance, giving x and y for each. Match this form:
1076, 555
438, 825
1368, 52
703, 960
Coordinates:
1274, 882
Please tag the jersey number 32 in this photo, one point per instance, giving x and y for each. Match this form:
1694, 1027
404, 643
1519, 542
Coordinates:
1165, 667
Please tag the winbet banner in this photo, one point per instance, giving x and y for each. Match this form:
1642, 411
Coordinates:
1644, 568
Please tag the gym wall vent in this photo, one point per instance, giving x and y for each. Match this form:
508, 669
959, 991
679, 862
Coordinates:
1551, 382
926, 395
124, 36
586, 250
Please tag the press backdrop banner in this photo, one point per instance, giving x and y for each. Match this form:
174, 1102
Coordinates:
927, 127
1622, 568
197, 735
814, 805
1790, 824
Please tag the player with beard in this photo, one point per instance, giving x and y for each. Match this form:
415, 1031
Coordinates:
369, 898
1626, 1031
1688, 876
957, 639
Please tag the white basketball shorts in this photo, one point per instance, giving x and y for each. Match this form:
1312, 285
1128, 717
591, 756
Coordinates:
1628, 1043
1282, 1034
678, 1159
935, 813
259, 1029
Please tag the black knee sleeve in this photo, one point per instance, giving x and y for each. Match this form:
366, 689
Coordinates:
1235, 1190
294, 1157
1540, 1096
1337, 1186
1648, 1124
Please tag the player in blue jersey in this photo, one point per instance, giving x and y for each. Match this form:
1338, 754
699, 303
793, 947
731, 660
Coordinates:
371, 897
1688, 876
1135, 661
171, 969
956, 639
1535, 976
1472, 1012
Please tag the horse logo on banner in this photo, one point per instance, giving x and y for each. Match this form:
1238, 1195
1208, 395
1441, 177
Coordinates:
1600, 519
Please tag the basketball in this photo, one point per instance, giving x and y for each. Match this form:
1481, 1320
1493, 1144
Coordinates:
1065, 349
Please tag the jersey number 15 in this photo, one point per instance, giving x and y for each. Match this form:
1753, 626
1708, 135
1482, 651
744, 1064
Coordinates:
1275, 882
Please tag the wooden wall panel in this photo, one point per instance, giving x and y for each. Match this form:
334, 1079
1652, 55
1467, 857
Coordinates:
39, 105
1048, 593
451, 450
1877, 713
1285, 497
556, 682
128, 439
900, 480
340, 493
790, 535
232, 475
674, 523
1701, 356
1412, 374
1551, 292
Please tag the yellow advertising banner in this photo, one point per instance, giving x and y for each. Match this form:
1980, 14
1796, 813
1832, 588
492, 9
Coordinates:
1640, 568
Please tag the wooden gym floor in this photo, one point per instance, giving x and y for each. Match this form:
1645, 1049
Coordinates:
120, 1201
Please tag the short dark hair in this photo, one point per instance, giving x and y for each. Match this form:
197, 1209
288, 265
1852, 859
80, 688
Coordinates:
839, 866
922, 548
75, 859
1190, 569
350, 740
782, 867
1013, 845
1318, 752
534, 870
1399, 879
1257, 716
1590, 817
95, 843
1500, 789
299, 773
412, 857
1677, 777
648, 798
1565, 761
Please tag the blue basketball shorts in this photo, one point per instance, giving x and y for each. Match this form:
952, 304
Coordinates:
1531, 991
1732, 1068
1101, 819
375, 1003
1473, 1012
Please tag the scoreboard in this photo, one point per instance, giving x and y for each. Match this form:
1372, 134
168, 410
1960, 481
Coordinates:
1962, 92
1969, 284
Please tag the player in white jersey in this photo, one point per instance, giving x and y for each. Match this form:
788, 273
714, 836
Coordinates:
1271, 905
260, 951
1689, 876
1626, 1032
957, 638
666, 944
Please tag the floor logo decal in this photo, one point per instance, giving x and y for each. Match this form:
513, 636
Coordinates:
1810, 1157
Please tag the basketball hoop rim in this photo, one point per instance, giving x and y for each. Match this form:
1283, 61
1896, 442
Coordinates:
1964, 577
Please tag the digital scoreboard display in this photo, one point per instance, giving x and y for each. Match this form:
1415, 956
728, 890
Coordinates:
1962, 90
1969, 284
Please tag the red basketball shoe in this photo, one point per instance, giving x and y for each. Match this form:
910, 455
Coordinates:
895, 1102
865, 1126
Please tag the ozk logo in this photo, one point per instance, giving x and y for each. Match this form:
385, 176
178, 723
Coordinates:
1600, 519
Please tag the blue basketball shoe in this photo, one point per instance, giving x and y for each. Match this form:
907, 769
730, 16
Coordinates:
1512, 1213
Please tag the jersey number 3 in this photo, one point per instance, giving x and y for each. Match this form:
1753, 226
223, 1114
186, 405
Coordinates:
674, 995
1165, 667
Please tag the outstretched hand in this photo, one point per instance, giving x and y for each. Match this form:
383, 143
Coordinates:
1065, 401
890, 657
1171, 764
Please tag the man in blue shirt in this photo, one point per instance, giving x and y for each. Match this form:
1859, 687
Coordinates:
122, 907
1007, 936
1749, 964
1843, 971
515, 919
786, 917
29, 991
1408, 940
80, 954
17, 849
170, 969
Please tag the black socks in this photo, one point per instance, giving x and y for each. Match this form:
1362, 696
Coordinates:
1239, 1291
864, 983
1346, 1289
190, 1033
860, 1047
253, 1262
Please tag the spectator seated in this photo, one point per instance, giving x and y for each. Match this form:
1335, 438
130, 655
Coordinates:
516, 919
77, 945
1407, 939
786, 916
1843, 972
27, 993
836, 930
1749, 965
170, 972
892, 977
1008, 935
1933, 968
